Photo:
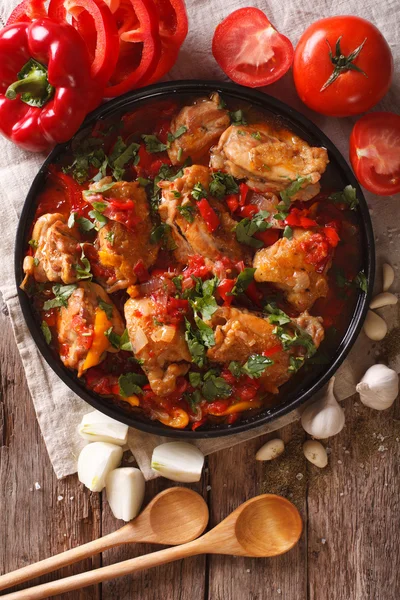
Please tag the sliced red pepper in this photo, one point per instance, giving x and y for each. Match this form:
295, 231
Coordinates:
141, 272
253, 293
224, 288
119, 204
95, 23
173, 28
177, 307
299, 218
332, 235
199, 423
272, 351
246, 392
218, 407
196, 267
230, 419
28, 10
140, 46
268, 237
249, 210
243, 191
72, 189
209, 215
233, 202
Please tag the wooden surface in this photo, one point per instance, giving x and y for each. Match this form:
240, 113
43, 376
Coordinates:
349, 549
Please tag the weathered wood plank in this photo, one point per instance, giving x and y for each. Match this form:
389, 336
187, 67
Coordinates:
34, 524
354, 510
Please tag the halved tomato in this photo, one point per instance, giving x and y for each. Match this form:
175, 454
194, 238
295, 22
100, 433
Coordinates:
250, 50
375, 152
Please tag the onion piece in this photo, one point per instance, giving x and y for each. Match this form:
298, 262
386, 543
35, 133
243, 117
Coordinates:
165, 333
125, 492
178, 461
140, 340
95, 462
97, 427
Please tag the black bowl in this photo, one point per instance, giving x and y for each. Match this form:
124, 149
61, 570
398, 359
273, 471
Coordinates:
300, 388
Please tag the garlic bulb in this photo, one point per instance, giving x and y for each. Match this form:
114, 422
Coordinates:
97, 427
388, 276
374, 326
379, 387
178, 461
272, 449
95, 462
125, 492
383, 299
324, 417
315, 453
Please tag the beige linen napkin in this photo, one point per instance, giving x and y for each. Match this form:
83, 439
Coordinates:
58, 409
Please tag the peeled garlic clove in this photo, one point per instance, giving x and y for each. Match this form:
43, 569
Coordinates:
95, 462
272, 449
125, 492
379, 387
315, 453
178, 461
383, 299
388, 276
97, 427
324, 417
374, 326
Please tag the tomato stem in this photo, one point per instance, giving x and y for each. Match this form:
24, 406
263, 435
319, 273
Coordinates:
342, 63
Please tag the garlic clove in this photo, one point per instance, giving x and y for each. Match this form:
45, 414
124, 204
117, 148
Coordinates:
98, 427
125, 492
315, 453
324, 417
388, 276
383, 299
374, 326
178, 461
272, 449
95, 462
379, 387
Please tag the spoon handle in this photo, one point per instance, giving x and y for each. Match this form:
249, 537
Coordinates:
63, 559
126, 567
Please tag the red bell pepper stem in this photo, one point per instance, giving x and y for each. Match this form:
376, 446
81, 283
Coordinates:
209, 215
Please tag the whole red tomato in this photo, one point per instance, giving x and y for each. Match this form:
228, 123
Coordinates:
342, 66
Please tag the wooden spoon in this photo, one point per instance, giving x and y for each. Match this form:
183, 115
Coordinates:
175, 516
266, 525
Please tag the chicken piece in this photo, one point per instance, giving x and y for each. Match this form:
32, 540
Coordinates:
204, 122
195, 237
286, 264
81, 327
270, 158
119, 247
162, 348
239, 334
57, 251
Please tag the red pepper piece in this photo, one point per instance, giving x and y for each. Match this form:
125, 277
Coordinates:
209, 215
177, 307
218, 407
272, 351
64, 64
249, 211
141, 272
96, 25
233, 202
243, 191
140, 46
224, 288
332, 235
230, 419
72, 190
253, 293
27, 11
246, 392
268, 237
299, 218
199, 423
119, 204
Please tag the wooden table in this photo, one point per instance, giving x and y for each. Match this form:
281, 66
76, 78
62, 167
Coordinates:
349, 549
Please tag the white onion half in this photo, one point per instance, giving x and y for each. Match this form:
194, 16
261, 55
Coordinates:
140, 340
97, 427
95, 462
178, 461
125, 492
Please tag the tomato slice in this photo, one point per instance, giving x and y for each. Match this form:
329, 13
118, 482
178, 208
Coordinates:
27, 10
140, 45
375, 152
250, 50
94, 21
173, 28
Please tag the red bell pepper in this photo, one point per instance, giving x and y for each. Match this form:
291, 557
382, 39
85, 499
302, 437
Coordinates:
72, 189
173, 28
233, 202
273, 350
249, 211
45, 85
27, 11
96, 25
209, 215
224, 288
332, 235
243, 191
268, 237
299, 218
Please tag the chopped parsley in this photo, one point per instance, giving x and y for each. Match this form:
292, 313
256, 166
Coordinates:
153, 144
215, 387
199, 191
256, 135
85, 225
195, 345
130, 384
46, 332
295, 362
108, 308
83, 269
174, 136
142, 181
237, 117
298, 337
113, 337
100, 190
100, 218
243, 281
61, 295
36, 262
276, 316
293, 188
162, 233
361, 281
348, 197
254, 367
120, 155
187, 211
121, 342
203, 301
287, 232
110, 237
222, 184
177, 281
33, 243
246, 228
